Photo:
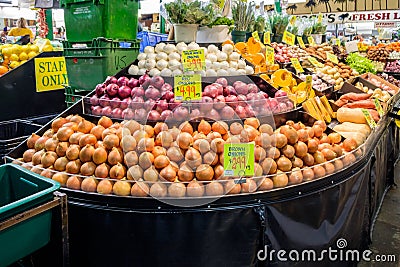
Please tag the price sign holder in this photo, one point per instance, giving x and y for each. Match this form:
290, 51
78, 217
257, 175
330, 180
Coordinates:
288, 38
239, 160
256, 35
270, 55
267, 37
320, 18
296, 64
308, 83
332, 58
310, 40
187, 87
371, 122
315, 62
301, 43
193, 60
379, 107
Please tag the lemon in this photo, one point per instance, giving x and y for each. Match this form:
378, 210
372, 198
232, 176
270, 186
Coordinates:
14, 57
47, 48
34, 48
16, 49
6, 51
23, 56
22, 62
14, 64
32, 54
25, 49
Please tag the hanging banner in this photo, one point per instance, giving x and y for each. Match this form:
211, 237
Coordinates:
50, 73
359, 16
385, 25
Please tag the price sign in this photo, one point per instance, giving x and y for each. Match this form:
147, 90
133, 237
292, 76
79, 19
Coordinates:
187, 87
301, 43
296, 64
288, 38
256, 36
315, 62
308, 83
310, 40
270, 55
50, 73
292, 20
193, 60
239, 159
338, 42
379, 107
332, 58
267, 37
368, 118
320, 18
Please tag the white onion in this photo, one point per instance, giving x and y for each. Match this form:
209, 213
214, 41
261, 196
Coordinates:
161, 55
193, 46
241, 64
174, 56
154, 72
222, 56
235, 56
160, 47
222, 72
181, 47
228, 49
166, 72
149, 50
232, 72
241, 72
174, 64
208, 63
142, 56
201, 72
224, 65
233, 64
212, 57
150, 63
141, 71
142, 64
249, 70
189, 72
133, 70
205, 51
212, 49
169, 48
211, 73
151, 57
216, 65
161, 64
177, 72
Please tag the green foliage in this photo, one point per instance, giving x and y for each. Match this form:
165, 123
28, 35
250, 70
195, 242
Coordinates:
180, 12
279, 22
243, 15
360, 63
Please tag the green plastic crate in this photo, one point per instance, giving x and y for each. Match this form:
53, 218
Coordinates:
85, 20
73, 95
22, 190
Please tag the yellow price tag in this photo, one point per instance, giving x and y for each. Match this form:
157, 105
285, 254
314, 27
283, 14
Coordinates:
267, 37
187, 87
338, 42
256, 35
292, 20
270, 55
320, 18
315, 62
379, 107
301, 43
308, 83
310, 40
193, 60
368, 118
288, 38
332, 58
239, 159
296, 64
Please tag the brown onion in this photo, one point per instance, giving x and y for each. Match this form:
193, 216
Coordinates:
117, 171
101, 171
72, 152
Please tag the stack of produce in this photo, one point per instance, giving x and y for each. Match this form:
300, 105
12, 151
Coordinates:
394, 55
319, 51
336, 74
379, 66
317, 83
395, 46
284, 53
393, 66
165, 60
378, 53
390, 79
13, 55
132, 159
152, 99
382, 84
383, 96
360, 63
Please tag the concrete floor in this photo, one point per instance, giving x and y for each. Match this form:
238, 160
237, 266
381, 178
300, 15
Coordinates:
386, 234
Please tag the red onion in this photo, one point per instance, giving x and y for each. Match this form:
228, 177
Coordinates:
100, 89
124, 91
94, 100
240, 87
132, 83
137, 103
195, 113
152, 93
166, 87
116, 113
229, 90
227, 113
242, 100
96, 110
140, 114
263, 94
289, 105
104, 101
149, 104
280, 93
211, 91
128, 114
115, 102
249, 111
168, 95
110, 80
206, 104
252, 88
154, 115
213, 114
219, 102
251, 96
106, 111
220, 88
231, 100
282, 107
273, 104
241, 112
122, 81
137, 91
112, 89
161, 105
157, 82
144, 80
222, 81
181, 113
125, 103
166, 114
173, 104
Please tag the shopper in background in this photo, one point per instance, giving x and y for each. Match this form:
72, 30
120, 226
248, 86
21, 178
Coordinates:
21, 30
374, 41
3, 35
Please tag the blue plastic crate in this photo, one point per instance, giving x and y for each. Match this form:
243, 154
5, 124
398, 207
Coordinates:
150, 39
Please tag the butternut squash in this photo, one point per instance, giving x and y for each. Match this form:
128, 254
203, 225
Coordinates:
350, 115
353, 127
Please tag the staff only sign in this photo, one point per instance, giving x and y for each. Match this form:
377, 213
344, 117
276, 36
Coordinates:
50, 73
361, 16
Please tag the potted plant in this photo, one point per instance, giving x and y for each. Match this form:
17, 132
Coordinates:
243, 15
186, 18
216, 32
259, 26
279, 22
318, 30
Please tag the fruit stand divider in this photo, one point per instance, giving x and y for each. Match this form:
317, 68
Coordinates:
234, 228
18, 96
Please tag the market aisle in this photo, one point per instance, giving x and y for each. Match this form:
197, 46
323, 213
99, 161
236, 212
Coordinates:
386, 235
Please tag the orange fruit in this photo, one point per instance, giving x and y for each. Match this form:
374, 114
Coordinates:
3, 70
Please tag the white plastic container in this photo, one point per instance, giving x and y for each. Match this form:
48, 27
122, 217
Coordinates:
216, 34
185, 32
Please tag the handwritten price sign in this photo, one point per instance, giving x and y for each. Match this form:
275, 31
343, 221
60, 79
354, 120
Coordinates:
310, 40
267, 37
193, 60
270, 55
371, 122
332, 58
239, 159
296, 64
288, 38
315, 62
256, 35
308, 83
187, 87
301, 43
